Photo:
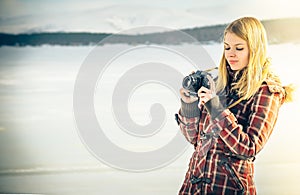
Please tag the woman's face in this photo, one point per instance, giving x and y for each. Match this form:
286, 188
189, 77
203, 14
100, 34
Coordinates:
236, 51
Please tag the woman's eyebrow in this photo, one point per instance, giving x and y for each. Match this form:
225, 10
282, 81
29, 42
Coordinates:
234, 44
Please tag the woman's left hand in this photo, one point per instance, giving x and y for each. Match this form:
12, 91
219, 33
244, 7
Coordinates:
205, 95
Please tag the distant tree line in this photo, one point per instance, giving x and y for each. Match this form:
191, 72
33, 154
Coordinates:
278, 30
55, 38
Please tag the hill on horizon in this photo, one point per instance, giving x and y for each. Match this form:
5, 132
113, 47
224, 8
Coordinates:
278, 31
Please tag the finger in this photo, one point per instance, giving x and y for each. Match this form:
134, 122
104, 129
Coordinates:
184, 92
187, 94
203, 100
212, 84
202, 94
192, 73
203, 89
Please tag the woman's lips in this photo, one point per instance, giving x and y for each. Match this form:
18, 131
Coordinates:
232, 61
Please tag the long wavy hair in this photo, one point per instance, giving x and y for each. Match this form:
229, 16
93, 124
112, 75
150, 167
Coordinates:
255, 73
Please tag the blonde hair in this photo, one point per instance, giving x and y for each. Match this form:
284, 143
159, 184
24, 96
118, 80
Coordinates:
255, 73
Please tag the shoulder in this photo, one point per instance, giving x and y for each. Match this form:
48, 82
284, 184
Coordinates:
273, 86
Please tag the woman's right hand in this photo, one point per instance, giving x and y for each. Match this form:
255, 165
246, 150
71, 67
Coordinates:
186, 97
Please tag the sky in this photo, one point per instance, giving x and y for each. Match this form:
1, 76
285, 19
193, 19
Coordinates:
112, 16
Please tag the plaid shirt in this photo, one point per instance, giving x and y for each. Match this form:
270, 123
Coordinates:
225, 147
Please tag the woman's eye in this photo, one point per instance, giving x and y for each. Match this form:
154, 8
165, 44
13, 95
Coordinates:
227, 48
239, 49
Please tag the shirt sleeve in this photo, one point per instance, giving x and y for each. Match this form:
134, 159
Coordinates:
188, 120
248, 142
189, 128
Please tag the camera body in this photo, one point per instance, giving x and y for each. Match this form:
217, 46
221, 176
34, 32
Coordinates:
195, 81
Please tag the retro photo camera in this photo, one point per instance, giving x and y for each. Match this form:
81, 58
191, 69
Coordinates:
195, 81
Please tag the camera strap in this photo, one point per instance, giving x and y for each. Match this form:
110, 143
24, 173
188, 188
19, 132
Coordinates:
208, 70
235, 103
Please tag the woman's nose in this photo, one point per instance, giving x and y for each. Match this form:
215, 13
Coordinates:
231, 53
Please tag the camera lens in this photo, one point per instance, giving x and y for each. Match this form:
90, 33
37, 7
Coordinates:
187, 82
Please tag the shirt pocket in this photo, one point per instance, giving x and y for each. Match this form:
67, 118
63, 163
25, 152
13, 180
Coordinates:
232, 176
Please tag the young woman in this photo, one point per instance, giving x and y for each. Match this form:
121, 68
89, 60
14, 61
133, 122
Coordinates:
228, 125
